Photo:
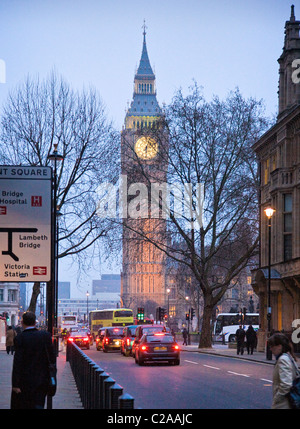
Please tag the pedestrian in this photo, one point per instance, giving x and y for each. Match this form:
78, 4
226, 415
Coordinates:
30, 374
185, 336
284, 369
240, 339
9, 343
251, 339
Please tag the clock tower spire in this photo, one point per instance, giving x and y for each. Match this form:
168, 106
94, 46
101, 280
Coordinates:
142, 141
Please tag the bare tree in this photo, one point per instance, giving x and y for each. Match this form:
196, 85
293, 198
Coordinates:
39, 114
216, 236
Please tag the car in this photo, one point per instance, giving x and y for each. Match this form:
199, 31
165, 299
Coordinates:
79, 338
112, 338
88, 333
128, 339
99, 338
158, 346
145, 329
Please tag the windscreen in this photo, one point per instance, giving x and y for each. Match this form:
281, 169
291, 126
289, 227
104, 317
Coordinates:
115, 332
158, 338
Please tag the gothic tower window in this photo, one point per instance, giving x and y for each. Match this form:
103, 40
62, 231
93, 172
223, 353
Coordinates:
287, 226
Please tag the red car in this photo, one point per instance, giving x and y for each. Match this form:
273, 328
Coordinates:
80, 338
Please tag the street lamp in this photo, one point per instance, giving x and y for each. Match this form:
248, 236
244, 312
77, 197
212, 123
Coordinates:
189, 316
54, 157
269, 213
87, 307
52, 286
168, 293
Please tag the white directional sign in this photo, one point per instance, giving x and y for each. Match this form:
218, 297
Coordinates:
25, 224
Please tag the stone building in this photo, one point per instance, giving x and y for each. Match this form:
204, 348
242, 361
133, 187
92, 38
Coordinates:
278, 153
142, 144
9, 301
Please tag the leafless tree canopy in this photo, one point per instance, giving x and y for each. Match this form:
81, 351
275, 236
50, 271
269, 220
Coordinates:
210, 144
39, 114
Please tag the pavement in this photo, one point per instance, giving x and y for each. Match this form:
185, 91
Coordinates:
67, 396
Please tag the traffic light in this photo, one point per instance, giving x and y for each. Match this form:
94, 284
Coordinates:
140, 313
158, 311
187, 316
192, 313
162, 313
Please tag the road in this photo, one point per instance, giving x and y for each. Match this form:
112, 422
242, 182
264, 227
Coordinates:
199, 382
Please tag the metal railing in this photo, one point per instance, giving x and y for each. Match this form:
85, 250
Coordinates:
96, 388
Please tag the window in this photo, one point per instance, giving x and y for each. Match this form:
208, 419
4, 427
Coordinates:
1, 295
266, 171
12, 295
287, 226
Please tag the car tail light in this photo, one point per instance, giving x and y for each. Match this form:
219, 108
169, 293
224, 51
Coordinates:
144, 348
176, 347
86, 339
128, 342
106, 340
70, 339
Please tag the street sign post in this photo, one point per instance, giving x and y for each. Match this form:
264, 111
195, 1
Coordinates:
25, 224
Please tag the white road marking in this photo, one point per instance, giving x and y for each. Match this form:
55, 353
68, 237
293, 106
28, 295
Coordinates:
190, 361
268, 381
236, 373
213, 367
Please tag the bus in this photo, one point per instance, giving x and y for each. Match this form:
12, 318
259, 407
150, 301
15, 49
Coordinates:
226, 325
109, 317
67, 321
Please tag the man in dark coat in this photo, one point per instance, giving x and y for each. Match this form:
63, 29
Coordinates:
240, 339
30, 375
251, 339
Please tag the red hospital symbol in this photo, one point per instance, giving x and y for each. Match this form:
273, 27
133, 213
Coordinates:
2, 210
36, 201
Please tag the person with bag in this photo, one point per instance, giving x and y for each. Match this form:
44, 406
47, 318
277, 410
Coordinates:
285, 370
34, 353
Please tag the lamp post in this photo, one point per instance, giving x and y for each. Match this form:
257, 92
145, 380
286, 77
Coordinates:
189, 316
52, 286
269, 213
87, 307
54, 157
168, 294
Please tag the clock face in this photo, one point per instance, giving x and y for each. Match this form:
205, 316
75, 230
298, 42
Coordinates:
146, 148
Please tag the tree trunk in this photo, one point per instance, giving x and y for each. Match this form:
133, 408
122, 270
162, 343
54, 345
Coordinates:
205, 336
34, 297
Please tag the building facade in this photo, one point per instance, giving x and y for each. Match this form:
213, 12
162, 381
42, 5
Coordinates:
143, 142
9, 301
278, 153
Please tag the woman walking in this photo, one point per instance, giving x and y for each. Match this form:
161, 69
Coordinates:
10, 336
284, 369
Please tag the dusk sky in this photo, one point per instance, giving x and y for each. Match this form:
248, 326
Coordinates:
221, 44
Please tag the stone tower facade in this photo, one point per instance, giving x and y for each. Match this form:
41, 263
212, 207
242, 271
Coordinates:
278, 153
144, 167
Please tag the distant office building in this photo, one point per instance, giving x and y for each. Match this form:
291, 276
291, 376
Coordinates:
108, 283
64, 290
82, 306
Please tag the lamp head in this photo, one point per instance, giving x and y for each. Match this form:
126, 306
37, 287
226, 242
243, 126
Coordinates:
269, 212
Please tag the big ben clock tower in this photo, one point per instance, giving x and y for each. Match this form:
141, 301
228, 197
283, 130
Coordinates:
143, 164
